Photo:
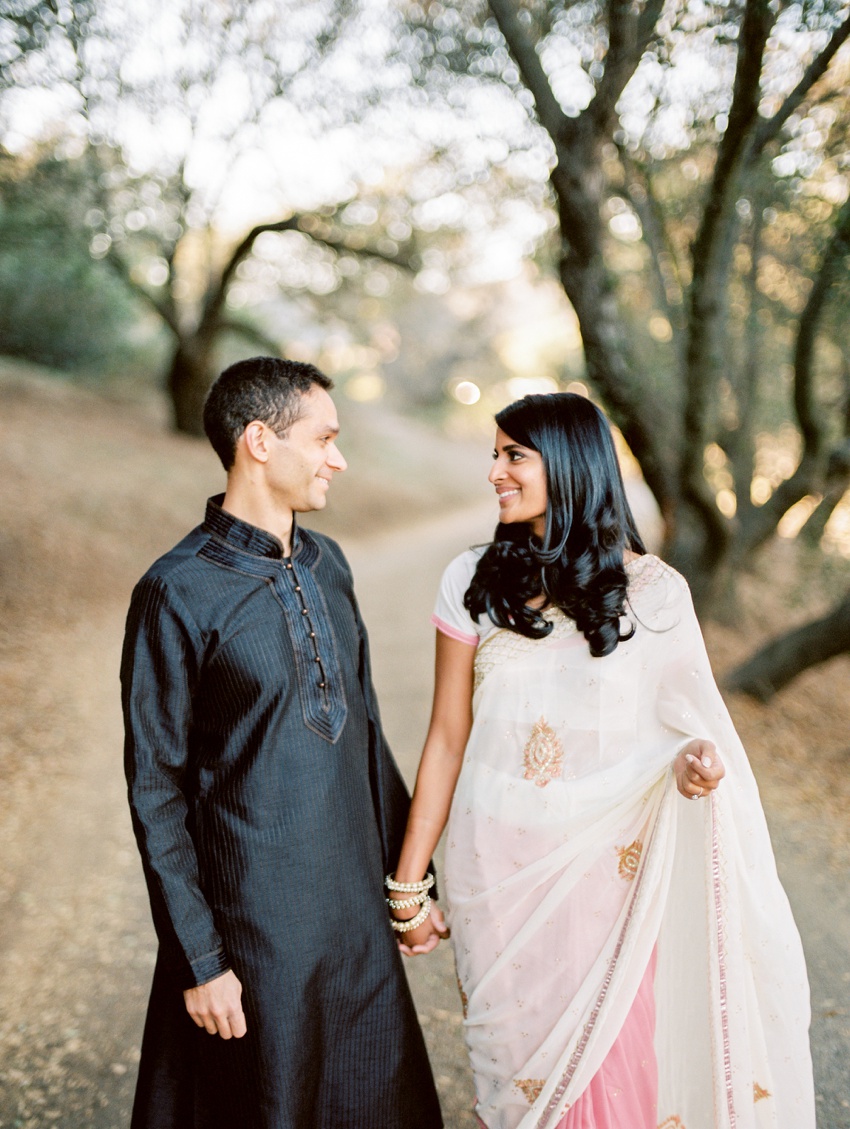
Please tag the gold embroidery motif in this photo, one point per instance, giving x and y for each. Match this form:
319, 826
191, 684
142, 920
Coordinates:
629, 860
672, 1123
759, 1092
530, 1088
464, 999
542, 755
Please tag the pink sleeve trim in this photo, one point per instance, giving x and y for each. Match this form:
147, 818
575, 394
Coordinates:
453, 632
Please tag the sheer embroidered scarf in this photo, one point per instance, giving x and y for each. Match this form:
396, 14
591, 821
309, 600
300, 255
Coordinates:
571, 856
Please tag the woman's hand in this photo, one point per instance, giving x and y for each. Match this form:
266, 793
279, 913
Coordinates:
698, 769
426, 937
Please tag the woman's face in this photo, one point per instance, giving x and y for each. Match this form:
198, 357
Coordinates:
520, 482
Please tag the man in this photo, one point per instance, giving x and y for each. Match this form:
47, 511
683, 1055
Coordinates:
265, 801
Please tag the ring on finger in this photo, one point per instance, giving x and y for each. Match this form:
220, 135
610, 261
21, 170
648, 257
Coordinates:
697, 795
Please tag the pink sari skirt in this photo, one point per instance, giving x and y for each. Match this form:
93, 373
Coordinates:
623, 1094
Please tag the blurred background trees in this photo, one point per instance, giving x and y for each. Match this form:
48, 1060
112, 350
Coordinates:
447, 204
712, 140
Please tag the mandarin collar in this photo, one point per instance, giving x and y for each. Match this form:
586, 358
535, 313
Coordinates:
242, 535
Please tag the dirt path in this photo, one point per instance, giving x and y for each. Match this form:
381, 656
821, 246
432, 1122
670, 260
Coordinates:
76, 947
79, 520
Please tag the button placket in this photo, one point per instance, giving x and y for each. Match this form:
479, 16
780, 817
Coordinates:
322, 682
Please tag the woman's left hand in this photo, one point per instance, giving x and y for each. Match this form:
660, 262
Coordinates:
698, 769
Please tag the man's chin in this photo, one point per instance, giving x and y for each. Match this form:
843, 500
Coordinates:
314, 504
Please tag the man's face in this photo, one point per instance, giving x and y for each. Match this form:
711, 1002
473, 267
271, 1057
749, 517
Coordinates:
302, 463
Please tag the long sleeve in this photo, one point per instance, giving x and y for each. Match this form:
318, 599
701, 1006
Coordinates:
158, 671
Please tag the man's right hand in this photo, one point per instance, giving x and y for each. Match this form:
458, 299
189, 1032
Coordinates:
217, 1006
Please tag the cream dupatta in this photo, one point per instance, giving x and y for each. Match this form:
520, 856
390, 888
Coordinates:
571, 855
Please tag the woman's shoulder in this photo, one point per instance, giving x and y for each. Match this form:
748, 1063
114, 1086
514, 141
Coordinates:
647, 567
655, 587
463, 566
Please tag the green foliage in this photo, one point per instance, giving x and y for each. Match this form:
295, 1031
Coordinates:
58, 306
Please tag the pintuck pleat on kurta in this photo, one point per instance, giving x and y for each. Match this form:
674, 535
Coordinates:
573, 865
267, 808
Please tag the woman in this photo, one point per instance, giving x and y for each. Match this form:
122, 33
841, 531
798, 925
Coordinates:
626, 956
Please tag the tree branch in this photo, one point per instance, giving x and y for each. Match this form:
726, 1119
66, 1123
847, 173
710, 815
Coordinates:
777, 663
651, 216
770, 127
251, 333
217, 295
549, 112
163, 309
807, 477
712, 255
739, 444
628, 36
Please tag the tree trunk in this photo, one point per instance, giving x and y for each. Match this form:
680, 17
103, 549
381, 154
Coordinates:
836, 486
189, 379
776, 664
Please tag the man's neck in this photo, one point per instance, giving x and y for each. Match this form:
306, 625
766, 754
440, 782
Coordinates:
245, 501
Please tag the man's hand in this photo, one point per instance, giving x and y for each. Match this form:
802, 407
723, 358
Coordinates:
698, 769
416, 942
217, 1006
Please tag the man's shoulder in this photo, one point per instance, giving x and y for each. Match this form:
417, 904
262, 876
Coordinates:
177, 564
328, 550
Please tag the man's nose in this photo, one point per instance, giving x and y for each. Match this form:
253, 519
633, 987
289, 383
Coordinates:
336, 460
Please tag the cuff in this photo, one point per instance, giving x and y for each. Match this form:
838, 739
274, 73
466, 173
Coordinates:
453, 632
209, 966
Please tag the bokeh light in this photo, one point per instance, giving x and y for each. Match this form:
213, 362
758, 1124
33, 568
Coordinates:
466, 392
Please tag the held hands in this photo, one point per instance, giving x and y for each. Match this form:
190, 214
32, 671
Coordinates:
698, 769
417, 942
418, 923
217, 1006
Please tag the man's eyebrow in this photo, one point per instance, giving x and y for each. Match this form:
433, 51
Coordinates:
333, 428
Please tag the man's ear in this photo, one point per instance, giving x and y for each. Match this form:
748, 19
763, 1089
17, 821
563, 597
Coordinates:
257, 440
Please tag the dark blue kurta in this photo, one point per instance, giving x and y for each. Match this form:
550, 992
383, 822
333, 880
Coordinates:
267, 808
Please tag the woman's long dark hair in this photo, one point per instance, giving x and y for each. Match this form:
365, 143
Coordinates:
579, 565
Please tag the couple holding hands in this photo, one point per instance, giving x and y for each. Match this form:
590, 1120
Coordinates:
625, 954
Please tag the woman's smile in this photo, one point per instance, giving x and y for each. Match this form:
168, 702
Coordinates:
520, 481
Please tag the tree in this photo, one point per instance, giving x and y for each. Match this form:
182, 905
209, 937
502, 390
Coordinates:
178, 101
777, 663
58, 306
604, 83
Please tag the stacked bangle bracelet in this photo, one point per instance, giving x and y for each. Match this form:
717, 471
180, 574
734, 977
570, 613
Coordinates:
409, 887
419, 897
415, 922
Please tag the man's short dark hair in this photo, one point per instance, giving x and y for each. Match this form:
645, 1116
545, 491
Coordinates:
267, 389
